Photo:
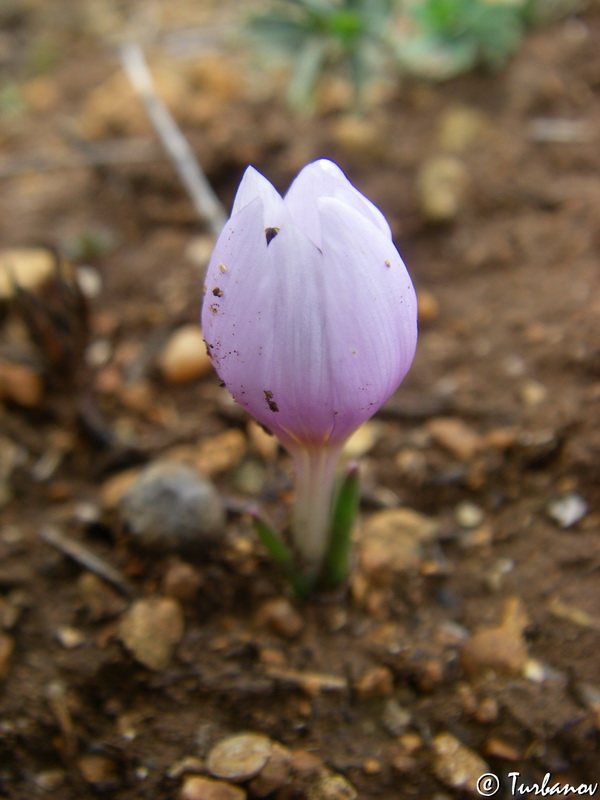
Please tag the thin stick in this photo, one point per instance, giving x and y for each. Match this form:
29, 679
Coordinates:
84, 556
205, 201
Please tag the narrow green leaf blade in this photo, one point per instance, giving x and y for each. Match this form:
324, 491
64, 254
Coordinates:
345, 510
281, 555
273, 543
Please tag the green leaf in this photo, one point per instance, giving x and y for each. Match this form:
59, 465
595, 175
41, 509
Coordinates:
344, 514
307, 69
434, 58
278, 31
272, 542
281, 555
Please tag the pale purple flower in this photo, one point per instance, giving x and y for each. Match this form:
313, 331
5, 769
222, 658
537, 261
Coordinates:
310, 319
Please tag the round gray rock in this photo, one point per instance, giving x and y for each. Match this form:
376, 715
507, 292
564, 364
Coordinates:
172, 507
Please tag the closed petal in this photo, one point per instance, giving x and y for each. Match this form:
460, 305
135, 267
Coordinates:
254, 185
371, 314
311, 343
323, 178
264, 326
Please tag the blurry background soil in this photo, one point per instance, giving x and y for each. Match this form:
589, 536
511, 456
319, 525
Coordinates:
468, 637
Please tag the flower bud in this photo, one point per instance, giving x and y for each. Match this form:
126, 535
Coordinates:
310, 319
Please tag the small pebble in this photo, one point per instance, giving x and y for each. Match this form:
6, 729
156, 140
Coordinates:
170, 506
97, 598
195, 788
98, 353
455, 436
97, 769
428, 306
281, 617
495, 576
567, 510
70, 637
199, 250
395, 719
441, 186
20, 384
220, 453
357, 136
11, 608
532, 393
456, 765
274, 774
459, 127
7, 645
371, 766
183, 358
239, 757
468, 515
150, 629
450, 633
250, 477
403, 763
272, 657
265, 444
375, 682
498, 748
480, 536
392, 541
514, 365
89, 281
331, 787
11, 456
50, 780
500, 650
589, 695
188, 764
487, 710
181, 581
305, 763
410, 742
114, 488
574, 614
363, 439
27, 268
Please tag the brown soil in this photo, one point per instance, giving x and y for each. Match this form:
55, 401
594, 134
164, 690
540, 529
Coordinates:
500, 410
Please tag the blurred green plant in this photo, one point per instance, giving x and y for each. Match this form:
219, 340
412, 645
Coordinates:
432, 39
324, 34
42, 55
449, 37
12, 102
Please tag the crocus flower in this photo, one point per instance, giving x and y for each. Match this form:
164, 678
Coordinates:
310, 320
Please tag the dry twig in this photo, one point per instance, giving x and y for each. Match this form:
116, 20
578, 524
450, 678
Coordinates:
205, 201
84, 556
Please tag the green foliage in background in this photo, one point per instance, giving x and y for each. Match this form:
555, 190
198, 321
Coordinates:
322, 34
432, 39
451, 37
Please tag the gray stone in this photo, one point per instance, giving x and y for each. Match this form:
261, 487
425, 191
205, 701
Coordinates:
172, 507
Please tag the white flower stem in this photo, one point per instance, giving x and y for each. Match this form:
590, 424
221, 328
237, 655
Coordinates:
315, 483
